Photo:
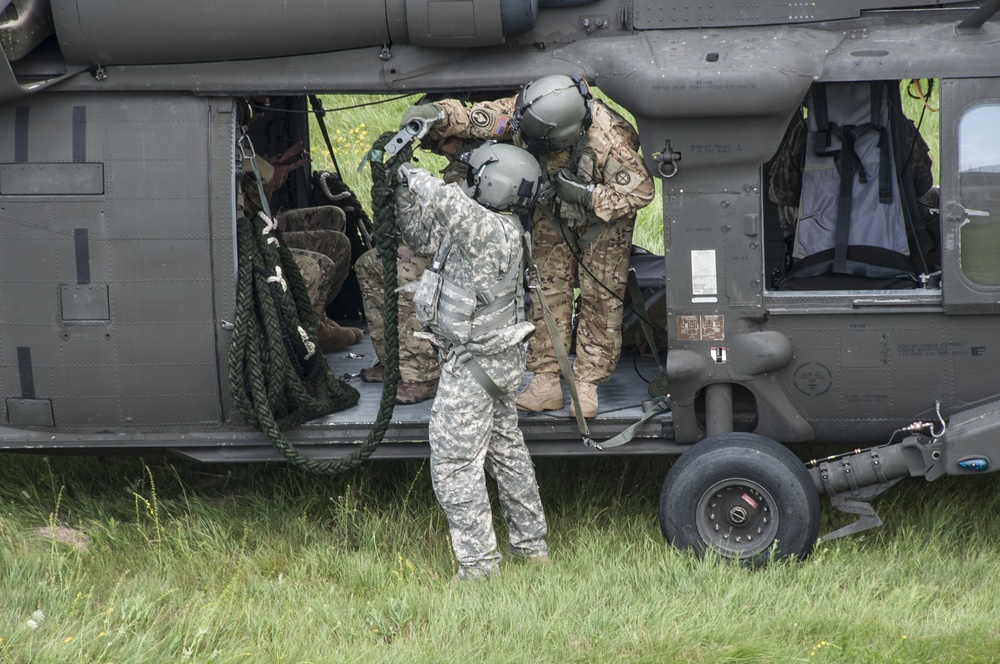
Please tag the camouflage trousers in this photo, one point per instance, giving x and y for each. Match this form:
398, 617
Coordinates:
321, 250
472, 434
604, 268
418, 359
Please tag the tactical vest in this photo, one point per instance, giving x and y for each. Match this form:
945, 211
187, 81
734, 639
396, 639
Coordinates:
853, 212
458, 315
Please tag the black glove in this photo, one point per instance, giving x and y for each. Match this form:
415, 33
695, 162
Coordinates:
570, 189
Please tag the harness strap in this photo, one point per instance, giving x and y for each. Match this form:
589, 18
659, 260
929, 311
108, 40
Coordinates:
483, 328
658, 406
488, 295
847, 165
463, 356
884, 166
562, 358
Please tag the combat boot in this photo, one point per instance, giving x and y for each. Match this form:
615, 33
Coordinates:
544, 392
333, 337
373, 374
415, 391
588, 400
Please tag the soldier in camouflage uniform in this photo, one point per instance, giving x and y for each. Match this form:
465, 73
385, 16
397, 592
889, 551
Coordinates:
418, 361
315, 237
584, 235
322, 251
473, 427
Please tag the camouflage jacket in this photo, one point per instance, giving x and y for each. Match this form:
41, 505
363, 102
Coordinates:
608, 156
485, 249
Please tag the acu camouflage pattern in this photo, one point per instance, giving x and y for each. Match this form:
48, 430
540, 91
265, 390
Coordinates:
608, 158
418, 359
470, 432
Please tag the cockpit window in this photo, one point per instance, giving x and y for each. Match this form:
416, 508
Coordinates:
979, 190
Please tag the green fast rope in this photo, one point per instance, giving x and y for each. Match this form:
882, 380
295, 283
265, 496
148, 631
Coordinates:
277, 381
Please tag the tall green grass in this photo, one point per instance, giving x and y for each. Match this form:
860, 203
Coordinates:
184, 562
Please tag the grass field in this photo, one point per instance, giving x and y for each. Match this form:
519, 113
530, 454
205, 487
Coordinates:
129, 559
154, 560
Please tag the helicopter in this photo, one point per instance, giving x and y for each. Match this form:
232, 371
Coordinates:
119, 262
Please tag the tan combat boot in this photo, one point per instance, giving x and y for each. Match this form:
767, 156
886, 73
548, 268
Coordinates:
415, 391
588, 400
544, 392
373, 374
333, 337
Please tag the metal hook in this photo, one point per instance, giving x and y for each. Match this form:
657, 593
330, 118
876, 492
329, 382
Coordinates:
667, 160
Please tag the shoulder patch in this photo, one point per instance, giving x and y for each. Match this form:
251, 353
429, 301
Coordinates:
481, 118
501, 125
623, 179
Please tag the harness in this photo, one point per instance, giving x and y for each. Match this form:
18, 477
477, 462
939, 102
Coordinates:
848, 162
852, 228
457, 315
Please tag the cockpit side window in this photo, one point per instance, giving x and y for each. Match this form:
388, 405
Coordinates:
979, 191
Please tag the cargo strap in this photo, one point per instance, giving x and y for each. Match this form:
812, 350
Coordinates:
562, 357
658, 405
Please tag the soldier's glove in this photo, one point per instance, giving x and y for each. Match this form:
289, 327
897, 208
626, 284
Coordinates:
545, 193
428, 114
571, 190
404, 172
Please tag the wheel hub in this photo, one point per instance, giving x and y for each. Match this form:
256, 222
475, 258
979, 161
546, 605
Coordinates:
736, 518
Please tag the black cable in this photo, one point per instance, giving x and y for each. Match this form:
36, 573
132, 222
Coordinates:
265, 107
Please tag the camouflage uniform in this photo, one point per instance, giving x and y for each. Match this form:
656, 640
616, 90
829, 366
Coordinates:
418, 359
470, 431
318, 245
317, 240
607, 157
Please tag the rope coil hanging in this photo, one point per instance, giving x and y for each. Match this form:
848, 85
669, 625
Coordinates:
278, 377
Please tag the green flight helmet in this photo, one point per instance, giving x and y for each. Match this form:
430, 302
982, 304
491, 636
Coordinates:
553, 112
502, 177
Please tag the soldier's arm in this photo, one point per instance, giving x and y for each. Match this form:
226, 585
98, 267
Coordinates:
483, 120
417, 220
468, 223
627, 185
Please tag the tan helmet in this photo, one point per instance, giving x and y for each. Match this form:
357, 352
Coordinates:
553, 112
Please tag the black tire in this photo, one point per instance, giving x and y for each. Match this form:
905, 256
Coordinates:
743, 496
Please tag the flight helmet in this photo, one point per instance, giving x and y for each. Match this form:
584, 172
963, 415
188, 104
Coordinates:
553, 112
501, 177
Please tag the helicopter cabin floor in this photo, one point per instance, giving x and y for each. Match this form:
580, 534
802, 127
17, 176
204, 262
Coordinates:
549, 433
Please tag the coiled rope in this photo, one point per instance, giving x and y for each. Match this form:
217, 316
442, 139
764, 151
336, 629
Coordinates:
278, 376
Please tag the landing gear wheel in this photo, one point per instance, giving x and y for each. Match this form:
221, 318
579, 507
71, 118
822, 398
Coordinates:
743, 496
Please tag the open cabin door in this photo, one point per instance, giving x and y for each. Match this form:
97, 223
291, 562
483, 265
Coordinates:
970, 195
